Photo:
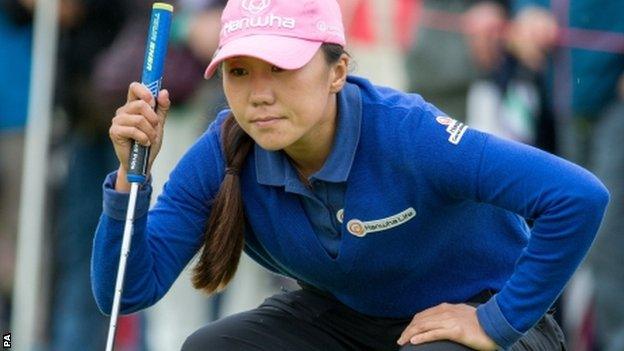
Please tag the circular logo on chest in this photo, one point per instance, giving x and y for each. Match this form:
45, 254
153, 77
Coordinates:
356, 227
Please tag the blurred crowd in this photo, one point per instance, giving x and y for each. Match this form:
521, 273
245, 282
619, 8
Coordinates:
544, 72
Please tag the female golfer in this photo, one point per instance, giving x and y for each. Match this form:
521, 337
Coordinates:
406, 229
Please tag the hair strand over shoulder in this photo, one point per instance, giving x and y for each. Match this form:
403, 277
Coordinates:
224, 235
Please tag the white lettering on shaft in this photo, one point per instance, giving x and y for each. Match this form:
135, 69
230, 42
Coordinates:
152, 43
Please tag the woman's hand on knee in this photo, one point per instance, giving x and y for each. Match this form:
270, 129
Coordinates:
454, 322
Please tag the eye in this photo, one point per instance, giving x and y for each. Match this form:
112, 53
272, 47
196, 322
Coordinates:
276, 69
238, 72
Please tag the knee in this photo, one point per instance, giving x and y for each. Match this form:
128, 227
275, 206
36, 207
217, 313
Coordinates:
192, 342
204, 338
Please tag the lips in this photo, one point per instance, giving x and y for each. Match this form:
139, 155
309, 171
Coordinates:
265, 121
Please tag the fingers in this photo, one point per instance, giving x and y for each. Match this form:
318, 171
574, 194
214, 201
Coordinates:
131, 126
139, 107
433, 335
137, 119
416, 329
453, 322
431, 318
423, 321
432, 311
138, 91
163, 104
123, 134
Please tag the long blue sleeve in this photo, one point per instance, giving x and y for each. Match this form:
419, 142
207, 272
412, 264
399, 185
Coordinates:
565, 202
566, 210
165, 241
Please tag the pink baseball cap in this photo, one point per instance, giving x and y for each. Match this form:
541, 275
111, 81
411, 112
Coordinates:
286, 33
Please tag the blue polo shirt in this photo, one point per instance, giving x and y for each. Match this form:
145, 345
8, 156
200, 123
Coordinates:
323, 201
433, 212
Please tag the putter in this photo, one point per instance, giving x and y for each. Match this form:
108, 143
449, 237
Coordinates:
153, 66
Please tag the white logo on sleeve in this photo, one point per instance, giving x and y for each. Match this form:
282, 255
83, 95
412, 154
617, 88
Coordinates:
455, 128
360, 228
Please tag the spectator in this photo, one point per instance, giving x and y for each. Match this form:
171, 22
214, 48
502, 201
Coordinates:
456, 42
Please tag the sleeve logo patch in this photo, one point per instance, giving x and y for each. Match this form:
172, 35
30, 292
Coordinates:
455, 128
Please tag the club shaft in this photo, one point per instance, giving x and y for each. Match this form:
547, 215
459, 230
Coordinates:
123, 259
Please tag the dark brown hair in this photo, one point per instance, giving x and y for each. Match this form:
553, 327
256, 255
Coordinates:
224, 236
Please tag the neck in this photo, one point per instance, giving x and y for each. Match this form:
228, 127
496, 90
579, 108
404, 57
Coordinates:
310, 152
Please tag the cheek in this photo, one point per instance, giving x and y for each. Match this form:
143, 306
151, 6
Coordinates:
235, 92
233, 97
310, 107
305, 97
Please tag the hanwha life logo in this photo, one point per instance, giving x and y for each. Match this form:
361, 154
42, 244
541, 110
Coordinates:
360, 228
255, 6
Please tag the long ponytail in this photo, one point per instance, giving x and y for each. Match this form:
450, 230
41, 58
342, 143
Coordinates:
224, 236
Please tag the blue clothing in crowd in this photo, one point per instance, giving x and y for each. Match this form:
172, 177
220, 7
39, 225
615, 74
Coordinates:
587, 67
432, 212
15, 61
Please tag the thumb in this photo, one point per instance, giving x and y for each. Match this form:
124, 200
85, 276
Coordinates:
163, 104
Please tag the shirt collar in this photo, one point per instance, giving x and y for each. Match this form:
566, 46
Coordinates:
273, 167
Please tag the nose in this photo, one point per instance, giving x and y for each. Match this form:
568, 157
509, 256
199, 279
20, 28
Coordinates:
261, 89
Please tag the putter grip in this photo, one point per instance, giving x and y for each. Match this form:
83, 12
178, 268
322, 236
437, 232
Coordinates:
153, 67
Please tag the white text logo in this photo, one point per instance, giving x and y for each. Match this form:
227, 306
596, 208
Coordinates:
455, 128
270, 20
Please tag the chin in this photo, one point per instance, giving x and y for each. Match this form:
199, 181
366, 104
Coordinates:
271, 145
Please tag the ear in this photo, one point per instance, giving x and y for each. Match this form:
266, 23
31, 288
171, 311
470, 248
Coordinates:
338, 74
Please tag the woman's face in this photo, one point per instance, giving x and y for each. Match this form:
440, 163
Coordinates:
281, 108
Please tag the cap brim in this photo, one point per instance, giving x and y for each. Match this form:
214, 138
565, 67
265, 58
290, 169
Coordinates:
281, 51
